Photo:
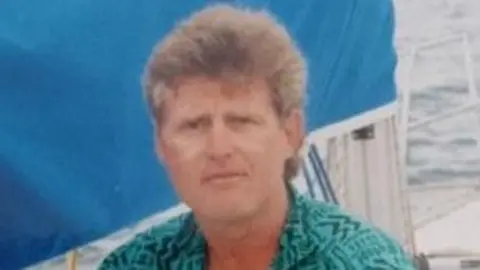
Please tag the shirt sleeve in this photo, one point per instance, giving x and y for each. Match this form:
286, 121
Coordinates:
133, 256
118, 259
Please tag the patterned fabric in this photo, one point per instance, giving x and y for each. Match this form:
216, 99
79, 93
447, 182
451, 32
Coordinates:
317, 236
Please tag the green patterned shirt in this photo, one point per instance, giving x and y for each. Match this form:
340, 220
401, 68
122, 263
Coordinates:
316, 236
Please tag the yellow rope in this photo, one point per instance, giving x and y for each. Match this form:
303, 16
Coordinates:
72, 260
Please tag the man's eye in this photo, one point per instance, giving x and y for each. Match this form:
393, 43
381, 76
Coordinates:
193, 125
243, 120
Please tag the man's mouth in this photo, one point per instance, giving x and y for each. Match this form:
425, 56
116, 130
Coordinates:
224, 176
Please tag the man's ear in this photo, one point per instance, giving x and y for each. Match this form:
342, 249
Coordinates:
295, 130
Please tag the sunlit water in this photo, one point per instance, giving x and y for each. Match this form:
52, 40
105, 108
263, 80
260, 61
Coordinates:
445, 151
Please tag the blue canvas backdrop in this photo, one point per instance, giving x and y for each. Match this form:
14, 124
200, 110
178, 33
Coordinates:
76, 155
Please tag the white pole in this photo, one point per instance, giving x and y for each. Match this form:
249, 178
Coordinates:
402, 140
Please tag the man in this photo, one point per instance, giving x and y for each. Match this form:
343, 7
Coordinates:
226, 91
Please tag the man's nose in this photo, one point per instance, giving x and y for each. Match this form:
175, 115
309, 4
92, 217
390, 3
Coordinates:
219, 142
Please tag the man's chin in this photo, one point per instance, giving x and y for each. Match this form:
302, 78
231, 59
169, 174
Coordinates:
232, 214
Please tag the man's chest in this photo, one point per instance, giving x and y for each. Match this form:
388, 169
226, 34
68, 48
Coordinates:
284, 262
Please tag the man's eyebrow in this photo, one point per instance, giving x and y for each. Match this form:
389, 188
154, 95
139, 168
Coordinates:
251, 115
195, 118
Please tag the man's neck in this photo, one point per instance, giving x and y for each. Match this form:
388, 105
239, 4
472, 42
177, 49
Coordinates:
254, 241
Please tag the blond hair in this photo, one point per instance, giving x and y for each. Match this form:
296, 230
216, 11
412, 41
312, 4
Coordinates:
222, 41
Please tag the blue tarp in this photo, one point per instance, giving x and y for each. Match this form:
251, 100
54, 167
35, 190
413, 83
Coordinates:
76, 156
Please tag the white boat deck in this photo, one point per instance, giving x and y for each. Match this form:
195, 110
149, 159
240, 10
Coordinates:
447, 222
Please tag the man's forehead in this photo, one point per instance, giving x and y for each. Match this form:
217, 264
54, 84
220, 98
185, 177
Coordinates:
201, 90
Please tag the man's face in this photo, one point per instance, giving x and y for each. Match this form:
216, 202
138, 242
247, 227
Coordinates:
225, 147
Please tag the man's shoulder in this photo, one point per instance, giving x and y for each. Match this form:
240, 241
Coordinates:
352, 243
143, 250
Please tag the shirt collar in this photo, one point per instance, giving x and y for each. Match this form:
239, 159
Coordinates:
295, 243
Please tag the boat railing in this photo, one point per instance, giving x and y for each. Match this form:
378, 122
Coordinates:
406, 125
471, 103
